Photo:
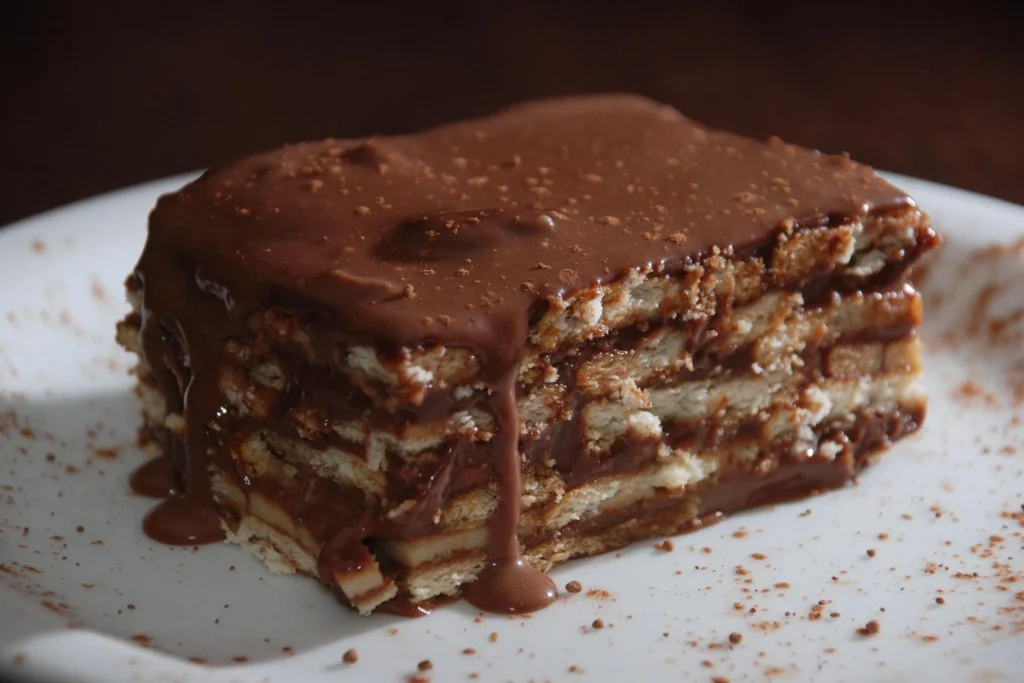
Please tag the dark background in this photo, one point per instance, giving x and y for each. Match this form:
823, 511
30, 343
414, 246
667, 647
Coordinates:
95, 96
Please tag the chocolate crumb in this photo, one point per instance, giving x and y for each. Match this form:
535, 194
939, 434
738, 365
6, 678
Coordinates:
871, 552
719, 679
666, 546
570, 277
870, 628
940, 600
416, 678
735, 638
469, 651
425, 665
575, 669
350, 657
574, 587
80, 528
362, 210
408, 292
493, 637
598, 623
759, 556
741, 570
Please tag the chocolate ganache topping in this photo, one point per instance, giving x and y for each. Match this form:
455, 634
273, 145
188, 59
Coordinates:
455, 236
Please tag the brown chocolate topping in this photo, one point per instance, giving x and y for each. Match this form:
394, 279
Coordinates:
183, 520
456, 236
155, 479
508, 583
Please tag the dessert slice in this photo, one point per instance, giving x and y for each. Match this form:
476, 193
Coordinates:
439, 364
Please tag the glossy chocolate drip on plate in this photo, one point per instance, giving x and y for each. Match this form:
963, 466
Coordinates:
508, 583
155, 479
457, 236
178, 309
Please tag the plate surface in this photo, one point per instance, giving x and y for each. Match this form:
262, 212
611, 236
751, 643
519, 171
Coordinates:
930, 544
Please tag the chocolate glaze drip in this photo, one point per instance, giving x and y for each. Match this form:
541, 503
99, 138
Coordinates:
458, 236
508, 583
189, 517
155, 479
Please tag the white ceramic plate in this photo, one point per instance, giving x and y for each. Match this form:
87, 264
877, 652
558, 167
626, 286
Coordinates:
948, 502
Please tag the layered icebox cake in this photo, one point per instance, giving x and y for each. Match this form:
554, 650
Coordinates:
424, 366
